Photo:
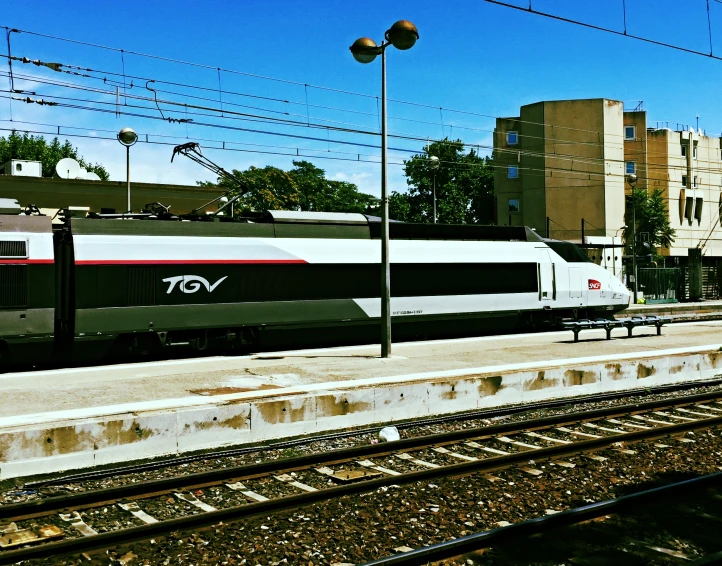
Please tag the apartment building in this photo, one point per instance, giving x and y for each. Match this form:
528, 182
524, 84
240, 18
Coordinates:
562, 169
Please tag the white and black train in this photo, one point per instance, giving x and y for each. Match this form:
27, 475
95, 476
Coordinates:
107, 286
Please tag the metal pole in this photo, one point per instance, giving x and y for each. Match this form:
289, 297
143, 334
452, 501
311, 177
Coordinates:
127, 173
634, 246
434, 198
386, 267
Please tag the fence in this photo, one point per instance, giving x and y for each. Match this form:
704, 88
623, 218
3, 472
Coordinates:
660, 285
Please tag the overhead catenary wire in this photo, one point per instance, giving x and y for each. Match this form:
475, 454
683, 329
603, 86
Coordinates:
557, 156
280, 80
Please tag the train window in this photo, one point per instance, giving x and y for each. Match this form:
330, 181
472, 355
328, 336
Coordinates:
568, 251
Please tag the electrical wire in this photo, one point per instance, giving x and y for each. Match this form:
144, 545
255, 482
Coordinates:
286, 81
603, 29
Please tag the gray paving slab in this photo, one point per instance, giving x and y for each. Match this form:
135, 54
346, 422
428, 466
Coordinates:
78, 388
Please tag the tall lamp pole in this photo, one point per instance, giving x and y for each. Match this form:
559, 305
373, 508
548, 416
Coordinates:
434, 166
127, 137
402, 35
632, 180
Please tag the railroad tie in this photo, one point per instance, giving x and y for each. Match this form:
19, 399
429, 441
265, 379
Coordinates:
630, 425
238, 486
290, 480
478, 446
442, 450
409, 458
604, 428
577, 433
136, 511
708, 408
641, 418
547, 438
707, 415
77, 522
678, 417
369, 464
508, 440
193, 500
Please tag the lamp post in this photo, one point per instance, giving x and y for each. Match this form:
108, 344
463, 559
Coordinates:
434, 166
127, 137
402, 35
632, 180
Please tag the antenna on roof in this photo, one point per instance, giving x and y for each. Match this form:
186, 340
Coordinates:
68, 168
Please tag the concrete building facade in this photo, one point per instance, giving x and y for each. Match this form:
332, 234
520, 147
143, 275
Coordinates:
561, 168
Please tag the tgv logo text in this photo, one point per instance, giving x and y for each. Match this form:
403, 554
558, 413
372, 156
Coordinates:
191, 283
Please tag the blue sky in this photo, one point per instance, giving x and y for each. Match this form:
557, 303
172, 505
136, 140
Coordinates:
472, 56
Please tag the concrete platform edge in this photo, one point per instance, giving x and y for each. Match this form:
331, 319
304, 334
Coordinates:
53, 442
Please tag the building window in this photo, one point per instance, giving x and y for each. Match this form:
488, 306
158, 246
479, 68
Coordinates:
513, 205
684, 150
694, 152
684, 180
512, 138
694, 181
630, 167
512, 172
630, 132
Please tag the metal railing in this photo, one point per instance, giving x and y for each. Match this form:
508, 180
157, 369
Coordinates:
659, 285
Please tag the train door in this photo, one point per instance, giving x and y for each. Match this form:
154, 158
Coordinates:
575, 283
547, 278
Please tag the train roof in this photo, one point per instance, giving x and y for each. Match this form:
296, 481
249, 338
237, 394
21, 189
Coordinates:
295, 224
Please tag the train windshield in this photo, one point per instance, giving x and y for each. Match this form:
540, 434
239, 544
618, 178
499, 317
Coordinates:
569, 252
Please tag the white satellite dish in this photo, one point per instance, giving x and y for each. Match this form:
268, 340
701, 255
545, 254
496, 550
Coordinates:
90, 176
67, 168
81, 174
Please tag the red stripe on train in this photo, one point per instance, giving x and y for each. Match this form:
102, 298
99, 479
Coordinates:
26, 261
182, 261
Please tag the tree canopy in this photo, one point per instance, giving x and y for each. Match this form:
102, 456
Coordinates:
652, 219
37, 148
305, 187
464, 187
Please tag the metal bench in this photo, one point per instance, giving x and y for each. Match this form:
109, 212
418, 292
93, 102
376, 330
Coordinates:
610, 324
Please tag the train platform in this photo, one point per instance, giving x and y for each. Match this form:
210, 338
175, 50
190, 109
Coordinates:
81, 417
701, 310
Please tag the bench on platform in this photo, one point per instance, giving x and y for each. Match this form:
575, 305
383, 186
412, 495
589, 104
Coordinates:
609, 324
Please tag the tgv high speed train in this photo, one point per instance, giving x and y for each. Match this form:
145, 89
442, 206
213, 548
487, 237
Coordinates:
109, 286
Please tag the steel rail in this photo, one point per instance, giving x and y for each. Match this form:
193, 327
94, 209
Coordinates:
456, 417
97, 497
114, 538
485, 539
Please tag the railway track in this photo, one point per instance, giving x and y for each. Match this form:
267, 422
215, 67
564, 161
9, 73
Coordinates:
65, 525
669, 508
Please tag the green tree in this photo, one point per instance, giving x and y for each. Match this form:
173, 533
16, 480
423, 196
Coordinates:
650, 210
37, 148
464, 187
304, 187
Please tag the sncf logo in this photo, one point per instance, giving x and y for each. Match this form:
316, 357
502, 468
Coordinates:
191, 283
594, 285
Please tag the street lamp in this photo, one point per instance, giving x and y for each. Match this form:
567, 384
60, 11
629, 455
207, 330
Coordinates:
632, 180
434, 166
127, 137
402, 35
